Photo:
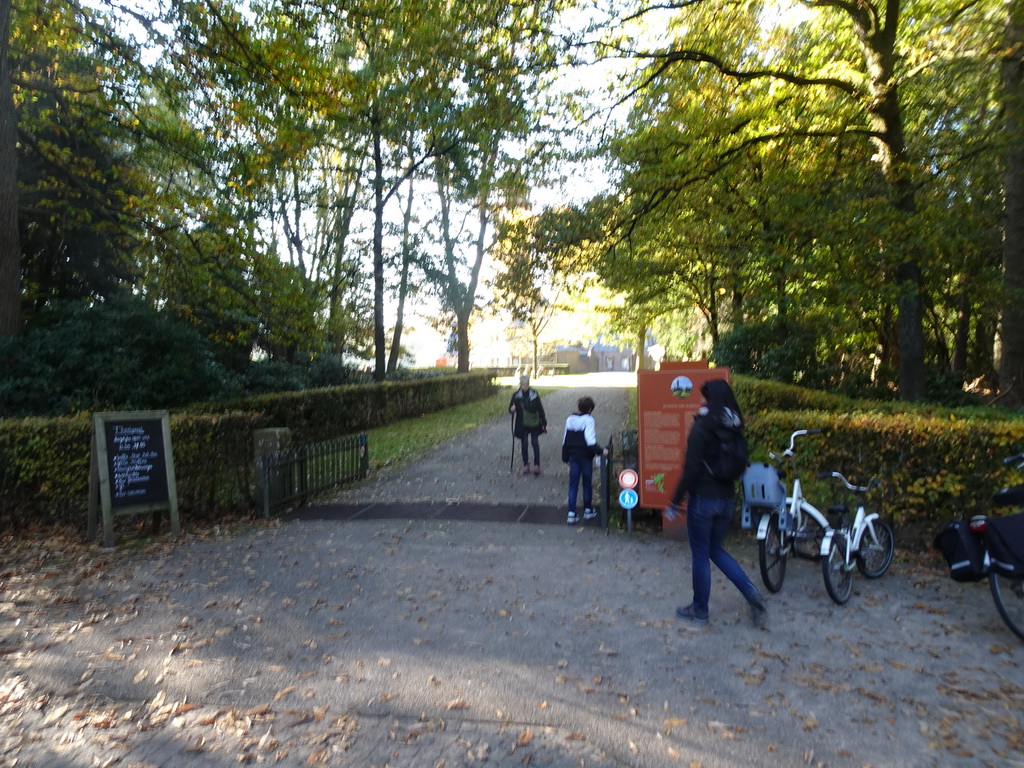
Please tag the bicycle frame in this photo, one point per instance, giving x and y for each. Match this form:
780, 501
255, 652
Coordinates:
862, 523
797, 507
793, 520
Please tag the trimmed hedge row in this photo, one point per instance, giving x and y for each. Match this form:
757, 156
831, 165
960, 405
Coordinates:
44, 463
935, 464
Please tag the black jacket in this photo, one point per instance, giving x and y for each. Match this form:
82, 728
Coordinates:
701, 447
530, 403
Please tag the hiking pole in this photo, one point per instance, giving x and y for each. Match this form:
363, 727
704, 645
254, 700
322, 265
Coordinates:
512, 458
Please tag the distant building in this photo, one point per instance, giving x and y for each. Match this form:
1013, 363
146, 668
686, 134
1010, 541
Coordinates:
594, 358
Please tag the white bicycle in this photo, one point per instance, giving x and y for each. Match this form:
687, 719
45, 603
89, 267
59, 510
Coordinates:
867, 541
788, 524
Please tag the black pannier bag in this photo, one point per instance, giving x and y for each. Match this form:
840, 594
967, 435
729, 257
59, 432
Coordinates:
1005, 536
963, 552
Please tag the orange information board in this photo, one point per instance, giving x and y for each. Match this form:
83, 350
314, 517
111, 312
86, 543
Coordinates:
667, 402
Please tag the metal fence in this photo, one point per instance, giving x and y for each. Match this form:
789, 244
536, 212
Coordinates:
294, 474
607, 462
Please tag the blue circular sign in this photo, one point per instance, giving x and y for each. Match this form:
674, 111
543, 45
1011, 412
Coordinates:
628, 499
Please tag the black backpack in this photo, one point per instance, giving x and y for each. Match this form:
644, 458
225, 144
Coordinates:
733, 454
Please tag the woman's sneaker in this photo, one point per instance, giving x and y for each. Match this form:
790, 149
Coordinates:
572, 519
688, 614
758, 609
589, 514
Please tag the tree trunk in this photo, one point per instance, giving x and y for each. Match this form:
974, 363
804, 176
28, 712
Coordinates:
462, 337
877, 31
961, 342
379, 369
403, 284
10, 248
341, 269
1011, 367
911, 327
474, 278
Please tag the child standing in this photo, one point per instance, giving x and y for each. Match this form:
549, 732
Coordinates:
579, 447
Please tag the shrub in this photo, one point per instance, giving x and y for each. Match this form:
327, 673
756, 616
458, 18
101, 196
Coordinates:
44, 463
118, 355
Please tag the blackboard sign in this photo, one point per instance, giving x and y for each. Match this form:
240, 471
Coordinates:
132, 469
136, 462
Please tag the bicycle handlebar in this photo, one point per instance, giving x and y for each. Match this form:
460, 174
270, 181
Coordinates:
874, 482
1014, 459
795, 435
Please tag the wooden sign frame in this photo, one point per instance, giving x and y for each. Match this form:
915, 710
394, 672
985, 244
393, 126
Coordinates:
131, 470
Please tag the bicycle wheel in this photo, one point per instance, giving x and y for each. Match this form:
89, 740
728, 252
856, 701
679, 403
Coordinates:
873, 559
771, 554
838, 578
1008, 595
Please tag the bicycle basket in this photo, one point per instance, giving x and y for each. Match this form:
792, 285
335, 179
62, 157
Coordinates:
763, 492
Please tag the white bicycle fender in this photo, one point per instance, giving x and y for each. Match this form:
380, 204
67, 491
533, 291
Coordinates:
762, 527
864, 529
826, 542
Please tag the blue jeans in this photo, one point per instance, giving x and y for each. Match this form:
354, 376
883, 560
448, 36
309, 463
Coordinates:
581, 469
707, 523
529, 436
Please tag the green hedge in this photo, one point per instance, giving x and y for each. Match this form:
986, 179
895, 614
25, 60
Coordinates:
933, 467
44, 463
757, 395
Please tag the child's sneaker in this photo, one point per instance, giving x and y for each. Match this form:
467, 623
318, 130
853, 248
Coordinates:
589, 514
572, 519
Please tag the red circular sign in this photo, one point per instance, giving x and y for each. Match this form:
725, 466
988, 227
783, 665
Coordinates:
628, 478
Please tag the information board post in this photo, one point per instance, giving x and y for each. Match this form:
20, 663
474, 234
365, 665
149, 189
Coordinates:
668, 400
131, 469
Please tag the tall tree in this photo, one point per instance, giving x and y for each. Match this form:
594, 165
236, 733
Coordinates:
839, 79
524, 286
1011, 373
10, 249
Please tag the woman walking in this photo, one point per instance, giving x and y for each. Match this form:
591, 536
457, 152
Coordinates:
710, 506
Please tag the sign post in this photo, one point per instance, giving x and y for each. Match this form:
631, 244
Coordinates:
131, 470
668, 400
628, 498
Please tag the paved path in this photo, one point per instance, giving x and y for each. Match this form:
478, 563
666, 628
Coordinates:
482, 468
440, 642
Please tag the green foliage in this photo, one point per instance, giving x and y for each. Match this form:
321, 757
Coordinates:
799, 353
761, 395
935, 462
933, 467
762, 181
45, 474
78, 187
332, 371
266, 376
114, 355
